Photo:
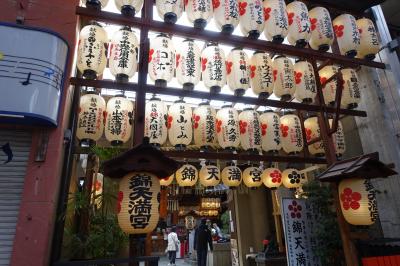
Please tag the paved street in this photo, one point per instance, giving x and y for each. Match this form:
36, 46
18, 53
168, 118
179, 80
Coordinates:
179, 262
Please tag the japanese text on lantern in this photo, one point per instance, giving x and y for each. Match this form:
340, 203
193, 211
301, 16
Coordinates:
182, 121
125, 49
212, 173
372, 206
91, 120
91, 41
234, 174
231, 127
155, 128
140, 200
188, 173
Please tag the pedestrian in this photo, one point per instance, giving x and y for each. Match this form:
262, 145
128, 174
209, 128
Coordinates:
202, 240
173, 244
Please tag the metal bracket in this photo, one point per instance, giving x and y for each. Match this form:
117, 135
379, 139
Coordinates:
393, 45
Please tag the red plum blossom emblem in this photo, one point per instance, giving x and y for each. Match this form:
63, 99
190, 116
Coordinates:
350, 199
295, 210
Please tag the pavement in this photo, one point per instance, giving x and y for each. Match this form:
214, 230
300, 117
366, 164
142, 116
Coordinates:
178, 262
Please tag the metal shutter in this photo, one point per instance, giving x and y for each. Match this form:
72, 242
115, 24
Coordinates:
12, 176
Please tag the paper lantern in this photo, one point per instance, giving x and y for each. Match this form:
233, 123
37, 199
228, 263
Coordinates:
252, 177
187, 176
276, 20
283, 73
292, 137
92, 51
226, 15
272, 178
213, 67
351, 93
347, 34
304, 79
313, 131
299, 24
138, 201
97, 188
199, 12
321, 29
98, 4
188, 64
227, 127
231, 176
180, 124
209, 176
369, 42
119, 119
129, 7
251, 18
250, 130
261, 76
165, 182
270, 132
358, 201
90, 124
190, 222
291, 178
123, 54
328, 88
204, 126
338, 139
155, 123
170, 11
237, 71
161, 60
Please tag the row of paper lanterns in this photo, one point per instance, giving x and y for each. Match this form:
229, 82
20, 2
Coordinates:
294, 21
228, 128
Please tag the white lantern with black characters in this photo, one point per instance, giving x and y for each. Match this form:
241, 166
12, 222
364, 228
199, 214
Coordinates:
231, 176
170, 11
226, 15
199, 12
261, 77
98, 4
90, 126
351, 94
123, 54
119, 120
304, 79
369, 42
237, 71
209, 175
129, 7
270, 132
204, 126
161, 60
213, 67
292, 178
292, 137
156, 121
313, 131
338, 139
188, 64
328, 88
250, 130
92, 51
299, 24
180, 124
252, 177
272, 178
347, 34
321, 29
283, 73
251, 18
187, 176
227, 127
276, 20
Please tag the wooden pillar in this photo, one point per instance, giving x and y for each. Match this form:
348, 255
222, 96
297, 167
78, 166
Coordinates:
277, 218
164, 203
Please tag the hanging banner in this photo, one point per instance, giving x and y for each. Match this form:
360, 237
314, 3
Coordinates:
298, 218
32, 73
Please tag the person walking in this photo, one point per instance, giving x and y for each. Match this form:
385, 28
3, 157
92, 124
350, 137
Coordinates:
202, 240
173, 244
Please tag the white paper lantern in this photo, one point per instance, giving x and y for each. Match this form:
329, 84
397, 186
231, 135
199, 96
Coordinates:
188, 64
138, 203
251, 18
190, 222
347, 34
209, 176
261, 77
119, 120
250, 130
231, 176
292, 137
161, 60
358, 201
291, 178
213, 67
170, 11
328, 88
304, 79
187, 176
129, 7
98, 4
276, 20
299, 24
180, 124
90, 126
313, 131
123, 54
270, 132
92, 51
321, 29
204, 126
165, 182
338, 139
226, 15
199, 12
351, 93
283, 73
369, 42
227, 127
252, 177
155, 123
272, 178
237, 71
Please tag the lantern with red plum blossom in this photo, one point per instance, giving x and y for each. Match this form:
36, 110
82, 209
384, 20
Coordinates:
179, 124
347, 34
321, 29
155, 124
188, 64
304, 79
231, 176
250, 130
283, 73
226, 15
209, 175
199, 12
313, 131
261, 76
129, 7
272, 178
338, 139
252, 177
276, 20
299, 24
251, 18
161, 59
187, 176
351, 94
270, 132
328, 89
170, 11
204, 126
227, 127
292, 178
98, 4
165, 182
118, 128
237, 71
369, 42
213, 67
292, 137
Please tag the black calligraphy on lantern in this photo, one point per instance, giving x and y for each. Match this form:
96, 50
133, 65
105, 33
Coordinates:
125, 49
115, 123
190, 61
355, 34
188, 173
139, 207
213, 173
216, 64
255, 174
90, 46
210, 126
234, 174
372, 205
154, 125
276, 127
